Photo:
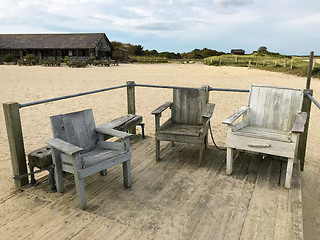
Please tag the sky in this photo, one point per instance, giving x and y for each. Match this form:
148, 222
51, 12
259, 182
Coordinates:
286, 26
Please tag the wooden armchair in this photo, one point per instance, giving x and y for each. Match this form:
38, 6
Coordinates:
78, 147
190, 118
271, 124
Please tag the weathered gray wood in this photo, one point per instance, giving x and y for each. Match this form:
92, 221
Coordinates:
76, 128
15, 139
190, 118
310, 70
91, 154
274, 119
301, 119
162, 108
306, 107
180, 202
131, 102
64, 146
208, 110
123, 123
126, 167
236, 115
58, 174
112, 132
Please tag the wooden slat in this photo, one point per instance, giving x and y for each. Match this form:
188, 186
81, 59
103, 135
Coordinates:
162, 108
236, 115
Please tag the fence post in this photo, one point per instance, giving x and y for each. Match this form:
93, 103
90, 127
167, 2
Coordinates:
16, 145
310, 70
306, 107
249, 63
131, 102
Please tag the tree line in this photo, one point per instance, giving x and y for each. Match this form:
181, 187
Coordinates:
137, 50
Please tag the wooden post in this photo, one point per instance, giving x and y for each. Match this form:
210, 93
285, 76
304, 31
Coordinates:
291, 64
310, 70
306, 107
131, 102
220, 61
249, 63
15, 139
285, 63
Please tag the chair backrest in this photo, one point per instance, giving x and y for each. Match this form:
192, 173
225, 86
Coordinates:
274, 107
188, 105
76, 128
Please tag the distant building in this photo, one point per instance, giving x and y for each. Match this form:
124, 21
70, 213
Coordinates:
73, 45
237, 51
120, 54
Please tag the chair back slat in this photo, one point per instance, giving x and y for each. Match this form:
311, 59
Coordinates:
188, 105
274, 107
76, 128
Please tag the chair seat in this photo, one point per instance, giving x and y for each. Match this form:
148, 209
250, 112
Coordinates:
182, 129
264, 133
99, 155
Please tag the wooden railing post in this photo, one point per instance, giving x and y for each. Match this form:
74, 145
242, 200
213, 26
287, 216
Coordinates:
131, 102
310, 70
306, 107
15, 139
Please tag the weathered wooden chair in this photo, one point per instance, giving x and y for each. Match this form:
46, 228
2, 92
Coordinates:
78, 147
271, 124
190, 118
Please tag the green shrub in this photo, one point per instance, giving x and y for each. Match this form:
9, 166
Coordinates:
31, 58
8, 58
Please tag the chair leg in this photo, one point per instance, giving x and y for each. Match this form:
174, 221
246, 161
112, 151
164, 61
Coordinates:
103, 172
172, 144
229, 160
206, 142
52, 181
202, 147
33, 180
157, 150
126, 167
81, 192
58, 175
289, 172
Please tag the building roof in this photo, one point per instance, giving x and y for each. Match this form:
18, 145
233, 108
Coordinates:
51, 41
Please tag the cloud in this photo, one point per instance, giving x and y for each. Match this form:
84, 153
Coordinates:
233, 3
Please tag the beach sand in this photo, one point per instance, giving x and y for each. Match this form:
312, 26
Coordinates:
28, 84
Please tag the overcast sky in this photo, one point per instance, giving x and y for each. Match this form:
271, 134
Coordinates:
285, 26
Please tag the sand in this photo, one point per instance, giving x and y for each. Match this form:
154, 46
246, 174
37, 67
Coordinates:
28, 84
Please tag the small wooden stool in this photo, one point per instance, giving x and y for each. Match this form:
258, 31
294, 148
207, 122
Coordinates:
41, 158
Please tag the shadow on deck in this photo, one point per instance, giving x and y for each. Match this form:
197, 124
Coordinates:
169, 199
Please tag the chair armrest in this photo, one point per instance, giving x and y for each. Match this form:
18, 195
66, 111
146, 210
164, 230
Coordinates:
64, 146
298, 126
236, 115
112, 132
208, 110
161, 108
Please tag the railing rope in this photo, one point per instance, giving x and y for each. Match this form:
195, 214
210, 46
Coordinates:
313, 100
69, 96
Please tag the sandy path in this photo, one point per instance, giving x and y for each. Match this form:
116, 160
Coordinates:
27, 84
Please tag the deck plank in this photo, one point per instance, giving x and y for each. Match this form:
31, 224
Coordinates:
169, 199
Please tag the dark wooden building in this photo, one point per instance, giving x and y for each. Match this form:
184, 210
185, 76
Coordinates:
73, 45
120, 54
237, 51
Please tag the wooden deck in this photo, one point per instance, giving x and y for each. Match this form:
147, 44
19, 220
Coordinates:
170, 199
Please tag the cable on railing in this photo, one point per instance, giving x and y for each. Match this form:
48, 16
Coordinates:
69, 96
313, 100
